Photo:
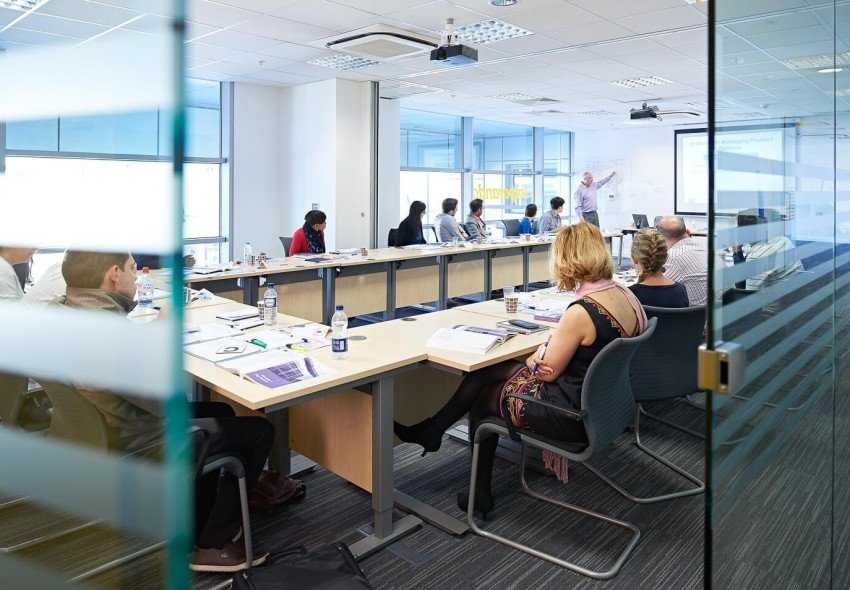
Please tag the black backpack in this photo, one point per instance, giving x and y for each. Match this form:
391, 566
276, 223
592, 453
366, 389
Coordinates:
330, 568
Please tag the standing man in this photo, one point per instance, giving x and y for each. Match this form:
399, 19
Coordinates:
585, 197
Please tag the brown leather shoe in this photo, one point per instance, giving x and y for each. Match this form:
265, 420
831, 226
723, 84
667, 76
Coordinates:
230, 558
277, 486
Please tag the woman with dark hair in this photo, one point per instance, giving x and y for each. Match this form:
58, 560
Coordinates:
526, 226
410, 229
310, 238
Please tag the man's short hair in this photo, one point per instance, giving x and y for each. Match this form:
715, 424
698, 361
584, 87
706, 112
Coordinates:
86, 270
586, 174
557, 202
475, 205
449, 205
672, 227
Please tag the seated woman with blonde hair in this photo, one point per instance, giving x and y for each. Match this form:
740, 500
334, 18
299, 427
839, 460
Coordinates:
649, 254
603, 311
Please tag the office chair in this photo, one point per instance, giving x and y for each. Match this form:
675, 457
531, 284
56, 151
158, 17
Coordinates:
511, 227
391, 237
607, 409
468, 227
78, 421
14, 395
656, 220
287, 243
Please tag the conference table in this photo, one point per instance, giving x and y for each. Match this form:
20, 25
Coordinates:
343, 421
386, 278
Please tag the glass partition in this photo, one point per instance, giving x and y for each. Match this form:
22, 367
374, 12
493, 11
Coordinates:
778, 468
93, 409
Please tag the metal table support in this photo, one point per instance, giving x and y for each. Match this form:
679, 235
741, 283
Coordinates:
389, 314
328, 293
489, 255
250, 290
282, 459
526, 262
386, 531
443, 301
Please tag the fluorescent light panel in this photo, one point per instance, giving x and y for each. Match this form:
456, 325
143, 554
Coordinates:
22, 5
489, 31
641, 82
601, 113
516, 97
816, 62
342, 61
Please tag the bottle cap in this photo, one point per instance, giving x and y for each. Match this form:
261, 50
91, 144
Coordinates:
269, 285
145, 269
339, 307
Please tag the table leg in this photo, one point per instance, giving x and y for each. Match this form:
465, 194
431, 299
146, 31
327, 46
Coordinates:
389, 314
620, 257
250, 290
281, 459
443, 302
526, 263
328, 294
488, 273
386, 531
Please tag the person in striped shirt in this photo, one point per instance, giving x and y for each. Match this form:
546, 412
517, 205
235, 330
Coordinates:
687, 258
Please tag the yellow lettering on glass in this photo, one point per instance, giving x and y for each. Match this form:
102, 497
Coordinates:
514, 193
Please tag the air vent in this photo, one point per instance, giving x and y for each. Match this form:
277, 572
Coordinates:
402, 89
381, 42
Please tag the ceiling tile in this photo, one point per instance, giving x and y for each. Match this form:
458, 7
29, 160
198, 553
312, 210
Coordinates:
592, 33
697, 52
16, 35
254, 59
60, 26
324, 14
431, 16
682, 37
226, 68
295, 52
611, 9
505, 12
197, 31
282, 29
635, 45
152, 24
90, 12
379, 6
528, 44
236, 40
662, 20
7, 15
549, 18
216, 15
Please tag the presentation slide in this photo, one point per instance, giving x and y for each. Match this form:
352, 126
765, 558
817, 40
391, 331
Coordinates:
692, 165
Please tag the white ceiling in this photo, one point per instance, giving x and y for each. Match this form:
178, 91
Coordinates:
578, 48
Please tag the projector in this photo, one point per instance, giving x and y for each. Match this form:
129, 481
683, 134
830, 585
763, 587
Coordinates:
452, 53
455, 55
644, 112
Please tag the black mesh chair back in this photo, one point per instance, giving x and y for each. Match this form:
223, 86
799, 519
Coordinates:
391, 238
287, 243
511, 227
470, 228
665, 367
606, 396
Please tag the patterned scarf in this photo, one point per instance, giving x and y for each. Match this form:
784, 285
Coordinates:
314, 239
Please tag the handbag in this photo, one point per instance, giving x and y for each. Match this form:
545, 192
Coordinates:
330, 568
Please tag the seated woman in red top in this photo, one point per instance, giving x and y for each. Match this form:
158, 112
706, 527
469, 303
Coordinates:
310, 239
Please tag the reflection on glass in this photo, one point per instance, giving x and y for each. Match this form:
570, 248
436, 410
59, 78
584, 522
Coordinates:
505, 196
430, 140
430, 188
503, 147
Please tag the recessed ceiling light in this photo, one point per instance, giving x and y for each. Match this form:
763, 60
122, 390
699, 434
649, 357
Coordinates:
830, 70
517, 97
342, 61
696, 1
641, 82
22, 5
489, 31
841, 92
703, 104
816, 62
502, 2
602, 113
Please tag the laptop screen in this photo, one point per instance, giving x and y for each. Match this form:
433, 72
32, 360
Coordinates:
640, 220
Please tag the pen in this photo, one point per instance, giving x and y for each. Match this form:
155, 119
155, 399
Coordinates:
258, 342
534, 367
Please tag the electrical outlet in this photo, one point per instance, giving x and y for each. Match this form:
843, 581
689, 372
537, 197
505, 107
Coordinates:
315, 206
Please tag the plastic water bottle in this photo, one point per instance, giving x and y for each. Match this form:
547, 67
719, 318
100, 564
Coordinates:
270, 305
339, 336
145, 288
247, 251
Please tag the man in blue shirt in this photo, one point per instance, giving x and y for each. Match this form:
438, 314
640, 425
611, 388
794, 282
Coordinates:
585, 197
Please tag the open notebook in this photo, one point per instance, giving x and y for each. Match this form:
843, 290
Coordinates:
277, 368
472, 339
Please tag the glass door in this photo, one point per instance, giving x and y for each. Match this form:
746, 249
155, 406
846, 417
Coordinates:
779, 221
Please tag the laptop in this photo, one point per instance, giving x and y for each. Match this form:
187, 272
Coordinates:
641, 221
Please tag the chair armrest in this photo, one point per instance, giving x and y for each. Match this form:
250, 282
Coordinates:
572, 414
202, 436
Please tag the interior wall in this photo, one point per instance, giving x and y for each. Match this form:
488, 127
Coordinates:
255, 166
389, 163
645, 182
352, 219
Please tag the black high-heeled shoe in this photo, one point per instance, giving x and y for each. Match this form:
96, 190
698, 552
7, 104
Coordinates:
424, 433
483, 502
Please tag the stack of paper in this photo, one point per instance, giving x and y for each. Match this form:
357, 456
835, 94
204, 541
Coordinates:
277, 369
222, 349
206, 332
472, 339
